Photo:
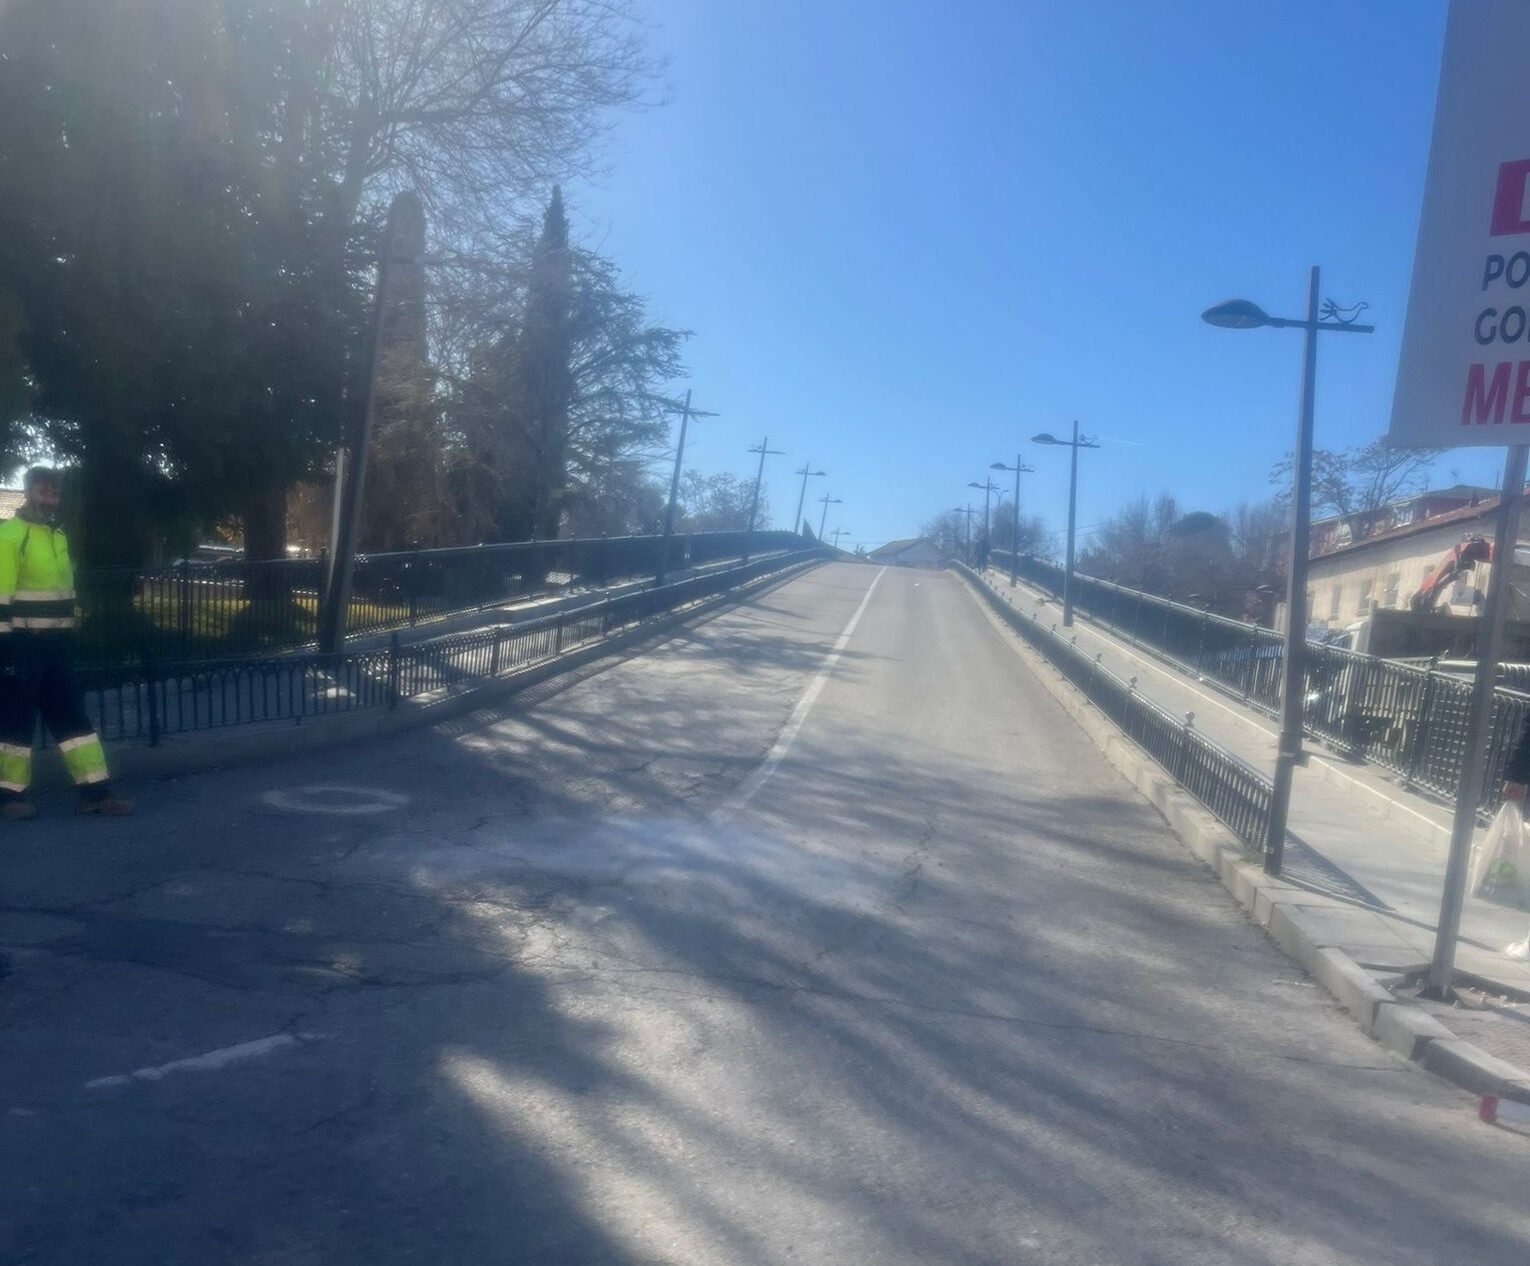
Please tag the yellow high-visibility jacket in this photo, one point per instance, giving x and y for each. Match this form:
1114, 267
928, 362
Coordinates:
36, 577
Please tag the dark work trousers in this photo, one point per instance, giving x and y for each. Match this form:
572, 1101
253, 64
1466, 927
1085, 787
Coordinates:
37, 678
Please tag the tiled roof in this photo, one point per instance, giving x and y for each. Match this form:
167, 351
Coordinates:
897, 547
1466, 514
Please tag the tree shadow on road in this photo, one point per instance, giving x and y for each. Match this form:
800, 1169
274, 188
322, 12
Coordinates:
905, 1006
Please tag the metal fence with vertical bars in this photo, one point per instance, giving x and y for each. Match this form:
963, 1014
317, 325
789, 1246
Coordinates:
162, 697
215, 610
1406, 717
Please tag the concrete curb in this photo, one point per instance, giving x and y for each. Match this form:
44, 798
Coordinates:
1292, 916
213, 749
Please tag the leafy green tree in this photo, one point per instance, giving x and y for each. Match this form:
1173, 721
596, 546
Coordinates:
189, 199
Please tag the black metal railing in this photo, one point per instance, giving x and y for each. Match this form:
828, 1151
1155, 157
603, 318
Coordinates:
214, 610
1408, 717
160, 697
1235, 793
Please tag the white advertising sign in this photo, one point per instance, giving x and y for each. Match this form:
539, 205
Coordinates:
1464, 373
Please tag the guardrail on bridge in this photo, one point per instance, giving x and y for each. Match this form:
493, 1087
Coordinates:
1406, 717
159, 698
1234, 792
195, 610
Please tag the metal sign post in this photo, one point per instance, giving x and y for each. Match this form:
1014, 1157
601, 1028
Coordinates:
1463, 376
1479, 723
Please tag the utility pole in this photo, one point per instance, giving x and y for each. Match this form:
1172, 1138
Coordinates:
764, 450
824, 517
686, 414
403, 250
807, 472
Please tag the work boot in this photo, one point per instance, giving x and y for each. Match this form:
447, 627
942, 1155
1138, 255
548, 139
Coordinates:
106, 807
19, 810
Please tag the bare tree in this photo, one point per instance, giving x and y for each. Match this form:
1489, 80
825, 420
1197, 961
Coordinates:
1354, 483
948, 530
1033, 528
720, 503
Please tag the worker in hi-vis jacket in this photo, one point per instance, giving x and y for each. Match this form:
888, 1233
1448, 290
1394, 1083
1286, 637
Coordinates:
37, 646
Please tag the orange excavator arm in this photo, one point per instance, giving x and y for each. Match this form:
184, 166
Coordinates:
1466, 555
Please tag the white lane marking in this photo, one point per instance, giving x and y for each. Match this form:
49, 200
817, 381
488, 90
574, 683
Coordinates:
208, 1061
315, 799
784, 740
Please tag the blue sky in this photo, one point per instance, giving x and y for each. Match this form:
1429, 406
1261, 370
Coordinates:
909, 236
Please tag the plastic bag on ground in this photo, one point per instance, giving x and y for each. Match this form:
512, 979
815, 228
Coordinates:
1500, 865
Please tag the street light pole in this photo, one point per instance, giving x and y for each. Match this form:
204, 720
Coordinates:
988, 488
1014, 544
1240, 314
764, 450
967, 512
1072, 525
824, 517
806, 472
1293, 669
1077, 442
839, 532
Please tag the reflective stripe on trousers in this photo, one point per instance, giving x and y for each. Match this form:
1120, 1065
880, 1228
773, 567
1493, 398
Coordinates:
15, 768
85, 759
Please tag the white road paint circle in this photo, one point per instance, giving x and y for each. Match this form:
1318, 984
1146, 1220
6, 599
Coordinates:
334, 799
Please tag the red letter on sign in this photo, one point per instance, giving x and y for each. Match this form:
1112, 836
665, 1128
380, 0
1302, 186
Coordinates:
1509, 200
1485, 403
1521, 393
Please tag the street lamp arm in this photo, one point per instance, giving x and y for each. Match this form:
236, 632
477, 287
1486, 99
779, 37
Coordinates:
1337, 327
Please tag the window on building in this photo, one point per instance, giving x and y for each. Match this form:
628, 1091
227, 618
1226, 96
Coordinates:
1364, 605
1335, 601
1389, 594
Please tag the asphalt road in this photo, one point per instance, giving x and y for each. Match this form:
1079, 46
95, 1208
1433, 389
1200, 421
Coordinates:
707, 956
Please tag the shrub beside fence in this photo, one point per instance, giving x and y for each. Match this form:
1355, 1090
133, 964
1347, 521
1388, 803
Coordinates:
215, 610
1407, 717
1237, 794
161, 698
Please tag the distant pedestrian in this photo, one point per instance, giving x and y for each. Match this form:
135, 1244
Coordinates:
37, 652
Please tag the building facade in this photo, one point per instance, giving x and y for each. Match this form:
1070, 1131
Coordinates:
1388, 568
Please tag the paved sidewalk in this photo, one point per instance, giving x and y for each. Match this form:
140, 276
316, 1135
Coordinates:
1356, 838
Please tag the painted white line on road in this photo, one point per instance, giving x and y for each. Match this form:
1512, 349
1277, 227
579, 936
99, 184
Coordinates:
783, 744
321, 799
208, 1061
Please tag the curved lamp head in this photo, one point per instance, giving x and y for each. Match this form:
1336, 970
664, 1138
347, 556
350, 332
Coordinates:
1236, 314
999, 466
818, 472
1046, 437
